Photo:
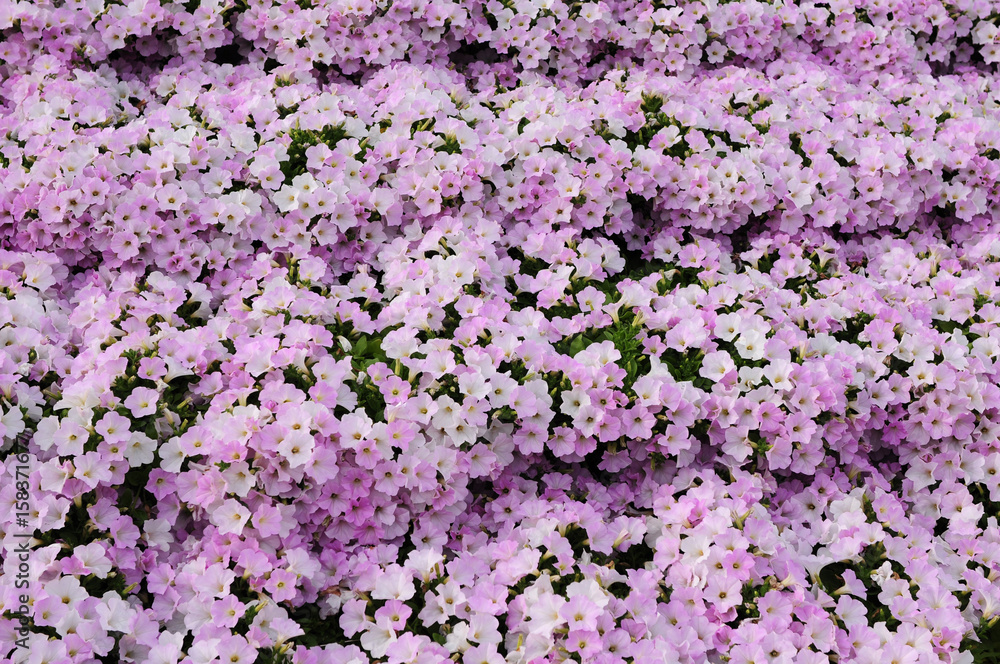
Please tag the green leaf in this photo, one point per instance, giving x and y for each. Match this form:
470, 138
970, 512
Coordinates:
831, 576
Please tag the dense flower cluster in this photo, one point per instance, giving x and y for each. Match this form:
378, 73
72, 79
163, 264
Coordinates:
409, 332
218, 161
571, 41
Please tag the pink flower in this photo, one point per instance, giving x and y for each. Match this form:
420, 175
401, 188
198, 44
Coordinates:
227, 611
395, 612
113, 427
486, 653
281, 585
588, 419
267, 520
586, 643
236, 649
405, 649
142, 401
91, 469
69, 438
580, 613
93, 560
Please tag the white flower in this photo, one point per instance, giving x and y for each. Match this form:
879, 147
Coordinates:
46, 431
378, 637
750, 377
727, 326
286, 198
140, 449
590, 589
473, 384
544, 613
716, 365
882, 574
239, 478
778, 372
573, 400
171, 456
297, 447
53, 475
394, 583
751, 345
591, 12
425, 562
696, 548
458, 638
115, 613
305, 183
93, 558
230, 517
79, 396
204, 651
158, 533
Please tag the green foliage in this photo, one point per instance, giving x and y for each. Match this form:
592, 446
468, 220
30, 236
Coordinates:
273, 656
451, 145
685, 366
75, 532
298, 378
651, 103
573, 344
947, 326
421, 125
624, 334
366, 351
747, 609
134, 500
987, 649
852, 327
635, 557
527, 265
79, 530
302, 140
981, 496
796, 145
872, 558
655, 121
187, 311
177, 397
831, 576
318, 631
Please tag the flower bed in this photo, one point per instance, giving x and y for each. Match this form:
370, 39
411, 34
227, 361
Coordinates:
571, 41
199, 170
592, 348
